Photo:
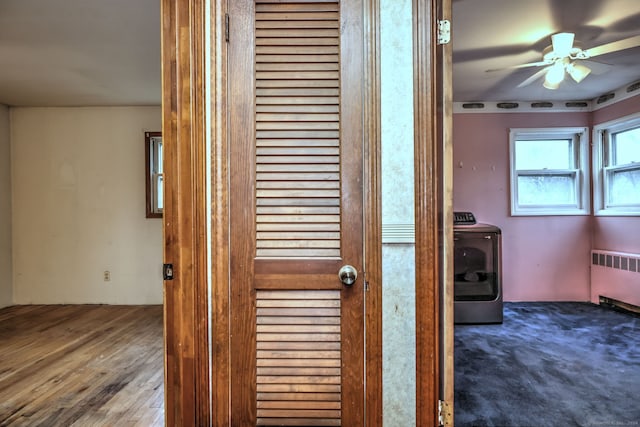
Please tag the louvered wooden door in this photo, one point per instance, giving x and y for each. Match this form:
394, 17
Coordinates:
296, 161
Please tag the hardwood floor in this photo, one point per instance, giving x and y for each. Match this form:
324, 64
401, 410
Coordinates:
81, 365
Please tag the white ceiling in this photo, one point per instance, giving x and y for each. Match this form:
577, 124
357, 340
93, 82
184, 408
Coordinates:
490, 34
79, 52
107, 52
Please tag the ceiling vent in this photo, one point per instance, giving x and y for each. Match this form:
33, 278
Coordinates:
633, 87
605, 98
507, 105
473, 105
577, 104
541, 104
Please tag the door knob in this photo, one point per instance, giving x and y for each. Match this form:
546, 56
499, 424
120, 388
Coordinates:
348, 275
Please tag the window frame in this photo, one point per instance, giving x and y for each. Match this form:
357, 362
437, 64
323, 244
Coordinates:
580, 171
602, 152
152, 174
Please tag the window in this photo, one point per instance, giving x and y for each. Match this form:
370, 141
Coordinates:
616, 166
153, 158
549, 170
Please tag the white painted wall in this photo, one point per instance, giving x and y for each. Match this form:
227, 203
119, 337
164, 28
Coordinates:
398, 272
6, 288
79, 206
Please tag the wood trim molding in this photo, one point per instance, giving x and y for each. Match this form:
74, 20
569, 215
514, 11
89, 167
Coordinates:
426, 176
373, 214
444, 103
220, 256
185, 297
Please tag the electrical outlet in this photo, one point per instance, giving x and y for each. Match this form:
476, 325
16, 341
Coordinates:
107, 275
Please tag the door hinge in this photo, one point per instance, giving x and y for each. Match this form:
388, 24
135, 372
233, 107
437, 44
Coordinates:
444, 413
226, 27
167, 271
444, 31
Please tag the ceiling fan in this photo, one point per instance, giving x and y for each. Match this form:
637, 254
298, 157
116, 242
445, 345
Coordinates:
563, 57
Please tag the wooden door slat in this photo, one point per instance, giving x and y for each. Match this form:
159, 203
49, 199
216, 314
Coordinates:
299, 5
297, 159
282, 185
297, 244
288, 151
298, 253
298, 371
318, 201
293, 50
288, 404
297, 235
298, 100
311, 34
298, 226
288, 82
297, 168
298, 354
305, 126
299, 57
335, 363
298, 92
298, 134
296, 108
308, 75
299, 117
320, 312
299, 388
301, 294
292, 397
292, 40
305, 175
298, 302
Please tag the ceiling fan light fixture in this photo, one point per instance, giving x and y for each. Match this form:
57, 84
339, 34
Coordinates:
554, 76
562, 43
549, 85
577, 71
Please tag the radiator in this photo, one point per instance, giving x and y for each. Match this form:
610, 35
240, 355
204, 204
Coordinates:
615, 276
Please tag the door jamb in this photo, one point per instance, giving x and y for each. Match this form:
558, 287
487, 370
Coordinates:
433, 212
185, 221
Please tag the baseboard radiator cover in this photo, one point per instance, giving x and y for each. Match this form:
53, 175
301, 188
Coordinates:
619, 305
615, 276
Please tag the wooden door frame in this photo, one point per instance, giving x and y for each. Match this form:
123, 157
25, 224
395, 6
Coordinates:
185, 213
196, 218
433, 212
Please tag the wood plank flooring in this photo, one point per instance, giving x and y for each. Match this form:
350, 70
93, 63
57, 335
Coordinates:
81, 365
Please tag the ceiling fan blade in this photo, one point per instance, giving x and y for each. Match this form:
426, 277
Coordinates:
612, 47
514, 67
534, 77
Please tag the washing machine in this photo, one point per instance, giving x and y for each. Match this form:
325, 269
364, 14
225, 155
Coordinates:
477, 267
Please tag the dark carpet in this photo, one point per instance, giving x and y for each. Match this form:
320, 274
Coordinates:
549, 364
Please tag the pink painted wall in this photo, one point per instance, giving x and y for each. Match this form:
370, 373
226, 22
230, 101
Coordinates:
617, 233
544, 258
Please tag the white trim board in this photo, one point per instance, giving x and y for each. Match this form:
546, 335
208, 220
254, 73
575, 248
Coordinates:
602, 101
